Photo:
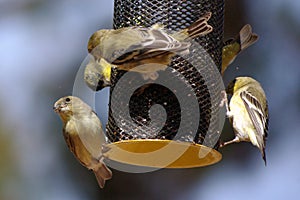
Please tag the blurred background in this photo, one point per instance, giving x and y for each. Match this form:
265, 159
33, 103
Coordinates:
42, 44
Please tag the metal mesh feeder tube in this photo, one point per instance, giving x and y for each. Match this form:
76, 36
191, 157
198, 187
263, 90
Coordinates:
175, 120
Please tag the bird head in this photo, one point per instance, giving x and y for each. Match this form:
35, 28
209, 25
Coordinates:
67, 106
97, 75
238, 83
96, 39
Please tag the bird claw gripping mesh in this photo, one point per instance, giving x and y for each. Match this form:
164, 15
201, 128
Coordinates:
174, 15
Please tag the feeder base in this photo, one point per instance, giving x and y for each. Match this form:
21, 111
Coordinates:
161, 153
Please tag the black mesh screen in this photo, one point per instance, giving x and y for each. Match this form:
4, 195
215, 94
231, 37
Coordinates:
175, 15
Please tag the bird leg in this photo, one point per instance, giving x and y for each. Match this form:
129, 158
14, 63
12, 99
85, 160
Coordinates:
224, 101
235, 140
105, 148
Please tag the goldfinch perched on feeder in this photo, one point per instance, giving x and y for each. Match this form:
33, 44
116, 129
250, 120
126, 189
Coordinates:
248, 112
233, 47
140, 49
97, 74
84, 135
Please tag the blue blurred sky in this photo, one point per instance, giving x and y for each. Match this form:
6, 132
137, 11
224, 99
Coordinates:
44, 41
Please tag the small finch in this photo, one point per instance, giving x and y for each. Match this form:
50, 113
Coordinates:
97, 74
141, 49
233, 47
248, 112
84, 135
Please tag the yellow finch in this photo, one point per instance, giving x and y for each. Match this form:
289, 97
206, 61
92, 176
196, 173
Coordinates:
141, 49
84, 135
233, 47
248, 112
97, 74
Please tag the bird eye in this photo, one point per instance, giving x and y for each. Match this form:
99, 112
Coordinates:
68, 99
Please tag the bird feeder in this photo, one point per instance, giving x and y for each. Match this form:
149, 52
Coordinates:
185, 97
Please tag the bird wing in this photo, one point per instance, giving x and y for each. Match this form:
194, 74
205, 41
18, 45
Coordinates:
154, 42
257, 114
91, 134
69, 141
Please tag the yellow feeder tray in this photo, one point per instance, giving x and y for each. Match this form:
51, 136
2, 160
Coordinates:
158, 153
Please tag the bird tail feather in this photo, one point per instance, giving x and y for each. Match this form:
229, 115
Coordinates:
198, 28
102, 174
247, 37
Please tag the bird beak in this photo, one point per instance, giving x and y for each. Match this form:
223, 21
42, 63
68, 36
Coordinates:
56, 108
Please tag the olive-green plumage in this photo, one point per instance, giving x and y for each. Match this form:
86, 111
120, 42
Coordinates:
140, 49
233, 47
84, 135
97, 74
248, 112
